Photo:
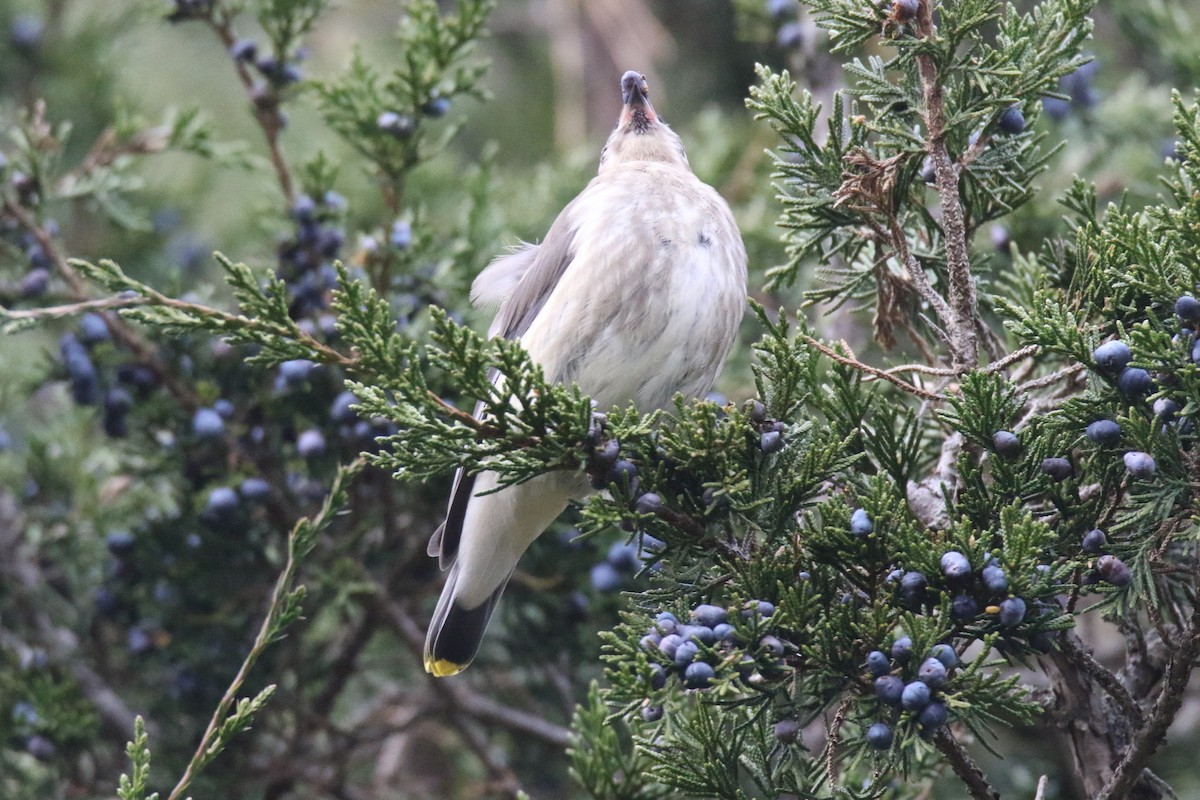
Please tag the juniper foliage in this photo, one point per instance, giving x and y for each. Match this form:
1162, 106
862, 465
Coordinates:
879, 563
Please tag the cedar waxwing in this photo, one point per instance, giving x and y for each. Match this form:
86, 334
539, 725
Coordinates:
635, 294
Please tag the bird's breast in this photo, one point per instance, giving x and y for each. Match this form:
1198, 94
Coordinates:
651, 302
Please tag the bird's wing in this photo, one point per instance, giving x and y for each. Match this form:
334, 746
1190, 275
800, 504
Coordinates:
547, 262
521, 281
499, 278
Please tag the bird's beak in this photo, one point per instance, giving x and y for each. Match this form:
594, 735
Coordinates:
637, 111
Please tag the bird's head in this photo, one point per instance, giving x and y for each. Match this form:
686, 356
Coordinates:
640, 134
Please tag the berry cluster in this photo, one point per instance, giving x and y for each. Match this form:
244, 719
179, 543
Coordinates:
305, 259
36, 280
1082, 95
694, 650
770, 439
975, 595
907, 691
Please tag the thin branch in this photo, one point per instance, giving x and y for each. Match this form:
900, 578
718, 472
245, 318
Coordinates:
923, 369
142, 350
266, 114
1052, 378
1131, 768
267, 633
964, 305
965, 767
1011, 358
1107, 680
856, 364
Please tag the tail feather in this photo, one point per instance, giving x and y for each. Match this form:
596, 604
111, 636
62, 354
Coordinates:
455, 632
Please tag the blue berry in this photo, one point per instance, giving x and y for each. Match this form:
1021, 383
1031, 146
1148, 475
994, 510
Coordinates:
244, 50
710, 615
915, 696
945, 654
207, 423
224, 407
1012, 612
296, 371
902, 649
725, 633
878, 663
1114, 570
932, 673
93, 329
790, 36
1104, 431
860, 523
955, 565
34, 284
40, 747
303, 208
1011, 120
698, 675
1093, 541
401, 235
255, 490
786, 731
437, 107
120, 542
686, 653
933, 716
1112, 356
310, 443
397, 125
648, 503
771, 645
669, 645
658, 676
1165, 409
771, 442
964, 608
222, 501
1139, 464
652, 713
622, 473
1187, 308
666, 622
995, 579
779, 9
650, 640
605, 578
912, 587
624, 556
1134, 381
879, 736
1059, 469
1006, 444
762, 608
698, 633
24, 713
889, 689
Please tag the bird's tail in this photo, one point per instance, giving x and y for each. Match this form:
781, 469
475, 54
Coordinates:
455, 631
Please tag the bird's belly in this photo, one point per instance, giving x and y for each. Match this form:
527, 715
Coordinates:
665, 328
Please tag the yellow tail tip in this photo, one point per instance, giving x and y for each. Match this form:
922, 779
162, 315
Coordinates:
441, 668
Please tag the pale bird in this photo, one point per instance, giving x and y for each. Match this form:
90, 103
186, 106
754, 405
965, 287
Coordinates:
635, 294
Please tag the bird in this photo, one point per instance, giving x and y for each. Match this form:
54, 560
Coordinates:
635, 294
